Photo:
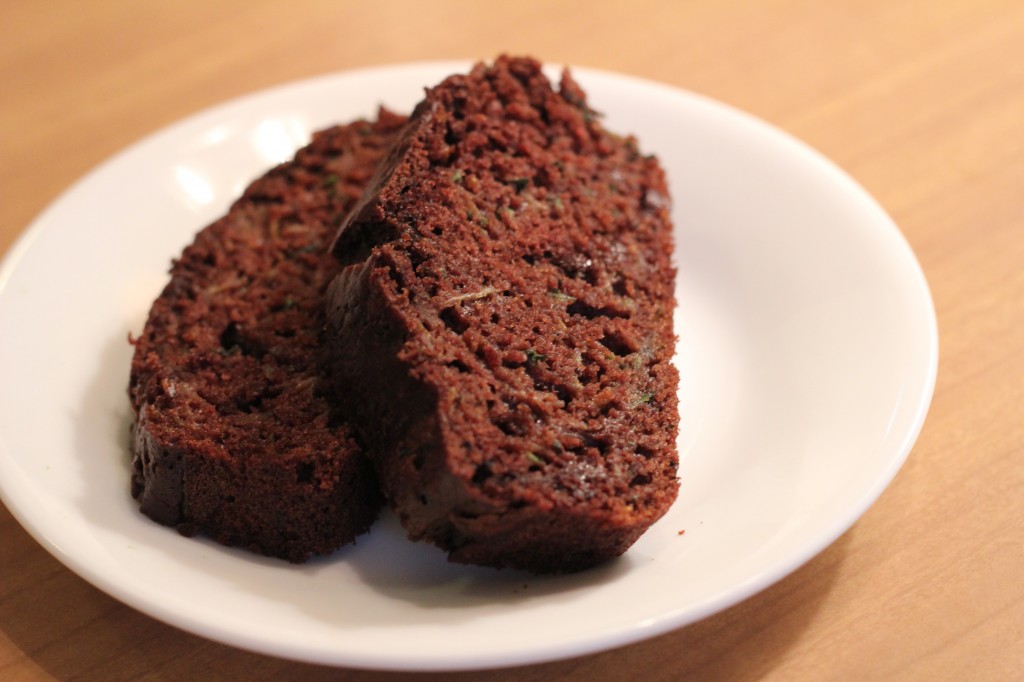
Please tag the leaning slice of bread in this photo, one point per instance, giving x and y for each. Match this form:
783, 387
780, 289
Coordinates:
232, 438
506, 314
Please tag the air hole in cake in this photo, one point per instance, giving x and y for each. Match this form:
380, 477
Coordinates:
644, 452
583, 309
247, 406
452, 320
592, 312
230, 337
618, 344
459, 365
481, 473
416, 259
563, 393
509, 427
600, 444
639, 479
304, 472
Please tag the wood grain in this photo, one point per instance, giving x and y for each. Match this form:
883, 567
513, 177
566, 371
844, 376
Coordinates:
921, 102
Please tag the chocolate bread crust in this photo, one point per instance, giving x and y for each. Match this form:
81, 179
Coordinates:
512, 324
232, 438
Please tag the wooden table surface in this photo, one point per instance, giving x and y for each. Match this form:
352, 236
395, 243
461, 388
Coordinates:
922, 102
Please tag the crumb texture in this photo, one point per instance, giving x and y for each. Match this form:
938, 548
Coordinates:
232, 436
507, 308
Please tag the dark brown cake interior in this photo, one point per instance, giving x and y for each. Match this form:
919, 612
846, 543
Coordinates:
232, 438
509, 308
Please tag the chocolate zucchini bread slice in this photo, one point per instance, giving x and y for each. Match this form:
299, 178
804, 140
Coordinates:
231, 437
506, 309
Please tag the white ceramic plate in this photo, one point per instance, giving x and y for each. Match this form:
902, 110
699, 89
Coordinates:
808, 349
